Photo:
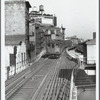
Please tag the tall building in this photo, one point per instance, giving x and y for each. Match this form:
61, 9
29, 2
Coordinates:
17, 18
16, 32
43, 28
41, 17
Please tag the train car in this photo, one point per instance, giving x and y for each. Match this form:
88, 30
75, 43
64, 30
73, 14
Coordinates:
54, 56
52, 52
54, 48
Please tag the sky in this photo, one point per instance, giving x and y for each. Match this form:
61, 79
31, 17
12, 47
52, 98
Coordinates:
79, 17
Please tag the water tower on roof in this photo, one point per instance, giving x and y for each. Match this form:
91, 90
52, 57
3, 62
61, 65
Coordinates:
34, 8
41, 9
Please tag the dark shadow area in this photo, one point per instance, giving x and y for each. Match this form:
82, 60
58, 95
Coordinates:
65, 73
84, 79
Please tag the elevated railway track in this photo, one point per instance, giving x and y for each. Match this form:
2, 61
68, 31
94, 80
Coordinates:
18, 82
42, 81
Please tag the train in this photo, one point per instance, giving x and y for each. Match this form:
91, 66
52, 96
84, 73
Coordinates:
55, 48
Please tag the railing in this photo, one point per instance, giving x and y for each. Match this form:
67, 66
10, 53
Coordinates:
15, 69
88, 60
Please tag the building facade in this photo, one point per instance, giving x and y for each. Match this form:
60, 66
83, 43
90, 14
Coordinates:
44, 28
16, 32
15, 60
16, 17
91, 50
75, 40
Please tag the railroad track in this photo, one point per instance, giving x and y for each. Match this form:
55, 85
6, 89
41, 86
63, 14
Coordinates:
57, 88
8, 82
48, 78
20, 81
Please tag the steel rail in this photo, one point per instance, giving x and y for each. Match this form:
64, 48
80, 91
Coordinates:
10, 82
12, 88
35, 96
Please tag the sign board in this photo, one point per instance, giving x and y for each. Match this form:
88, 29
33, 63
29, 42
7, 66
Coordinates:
47, 21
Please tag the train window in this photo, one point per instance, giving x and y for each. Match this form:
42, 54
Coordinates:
12, 60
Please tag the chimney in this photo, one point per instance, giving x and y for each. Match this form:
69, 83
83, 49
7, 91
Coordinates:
94, 35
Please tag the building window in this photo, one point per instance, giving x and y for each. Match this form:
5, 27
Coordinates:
33, 33
57, 45
12, 60
36, 27
48, 45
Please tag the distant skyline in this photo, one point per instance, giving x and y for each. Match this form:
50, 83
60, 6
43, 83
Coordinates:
79, 17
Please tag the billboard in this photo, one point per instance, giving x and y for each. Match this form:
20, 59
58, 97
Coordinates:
47, 20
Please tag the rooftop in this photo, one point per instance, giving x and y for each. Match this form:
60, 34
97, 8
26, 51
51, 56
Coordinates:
28, 4
91, 42
65, 73
82, 78
38, 13
14, 39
